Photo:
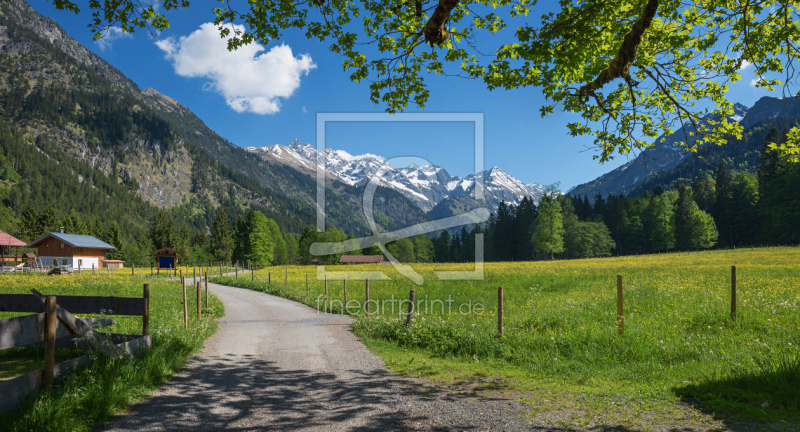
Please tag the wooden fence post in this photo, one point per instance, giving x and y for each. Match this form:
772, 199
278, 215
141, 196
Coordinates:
185, 306
269, 278
344, 289
326, 293
206, 292
146, 316
307, 291
286, 281
199, 285
733, 292
50, 343
133, 269
500, 311
237, 272
367, 297
194, 274
92, 269
151, 270
252, 275
410, 307
620, 313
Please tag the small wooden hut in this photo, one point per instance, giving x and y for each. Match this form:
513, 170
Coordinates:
114, 264
166, 258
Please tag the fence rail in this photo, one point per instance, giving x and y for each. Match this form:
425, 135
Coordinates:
53, 326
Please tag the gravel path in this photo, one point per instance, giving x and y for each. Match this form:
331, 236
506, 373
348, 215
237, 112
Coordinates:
279, 365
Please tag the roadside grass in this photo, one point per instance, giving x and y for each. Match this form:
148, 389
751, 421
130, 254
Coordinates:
680, 344
93, 393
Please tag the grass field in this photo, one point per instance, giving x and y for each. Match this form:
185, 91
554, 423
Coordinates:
103, 387
680, 343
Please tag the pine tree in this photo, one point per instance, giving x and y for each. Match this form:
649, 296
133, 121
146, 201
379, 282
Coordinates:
114, 237
722, 203
29, 224
222, 238
162, 231
660, 228
48, 222
684, 218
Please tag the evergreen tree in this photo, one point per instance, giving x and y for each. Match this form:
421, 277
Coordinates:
684, 218
48, 222
703, 192
307, 238
74, 224
162, 231
635, 234
722, 203
548, 228
744, 218
222, 238
29, 224
441, 247
660, 229
113, 236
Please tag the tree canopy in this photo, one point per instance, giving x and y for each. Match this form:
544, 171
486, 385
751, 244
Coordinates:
632, 69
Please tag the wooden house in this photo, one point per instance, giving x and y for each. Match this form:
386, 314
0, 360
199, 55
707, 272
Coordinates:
361, 259
71, 251
166, 258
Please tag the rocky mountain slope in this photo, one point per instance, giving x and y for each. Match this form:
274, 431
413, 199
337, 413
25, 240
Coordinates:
53, 87
663, 157
425, 185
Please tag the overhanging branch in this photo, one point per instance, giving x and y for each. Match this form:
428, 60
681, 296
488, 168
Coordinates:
621, 65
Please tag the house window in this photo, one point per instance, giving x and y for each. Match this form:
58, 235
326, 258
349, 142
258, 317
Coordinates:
80, 263
55, 262
62, 245
64, 261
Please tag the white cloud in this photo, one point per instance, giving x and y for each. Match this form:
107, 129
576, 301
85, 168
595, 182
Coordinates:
113, 33
248, 79
754, 82
304, 110
745, 64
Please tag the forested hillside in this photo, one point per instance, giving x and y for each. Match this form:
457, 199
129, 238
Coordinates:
79, 135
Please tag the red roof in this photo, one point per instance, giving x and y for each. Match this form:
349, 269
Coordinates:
8, 240
361, 259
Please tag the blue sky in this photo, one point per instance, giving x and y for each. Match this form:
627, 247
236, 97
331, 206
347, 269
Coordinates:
517, 139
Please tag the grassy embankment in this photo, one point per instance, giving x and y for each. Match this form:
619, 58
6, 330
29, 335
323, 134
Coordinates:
104, 386
561, 346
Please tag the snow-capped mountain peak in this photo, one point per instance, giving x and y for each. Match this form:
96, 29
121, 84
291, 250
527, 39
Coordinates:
425, 185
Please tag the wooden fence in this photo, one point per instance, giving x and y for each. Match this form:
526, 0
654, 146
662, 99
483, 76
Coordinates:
53, 325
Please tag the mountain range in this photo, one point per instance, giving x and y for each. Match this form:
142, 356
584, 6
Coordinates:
653, 166
67, 102
426, 186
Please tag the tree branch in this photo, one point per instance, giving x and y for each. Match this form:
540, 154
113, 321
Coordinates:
434, 31
621, 65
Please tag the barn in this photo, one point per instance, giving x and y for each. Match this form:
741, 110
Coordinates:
361, 259
71, 251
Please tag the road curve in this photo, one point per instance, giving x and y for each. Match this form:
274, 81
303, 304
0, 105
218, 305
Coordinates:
274, 364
